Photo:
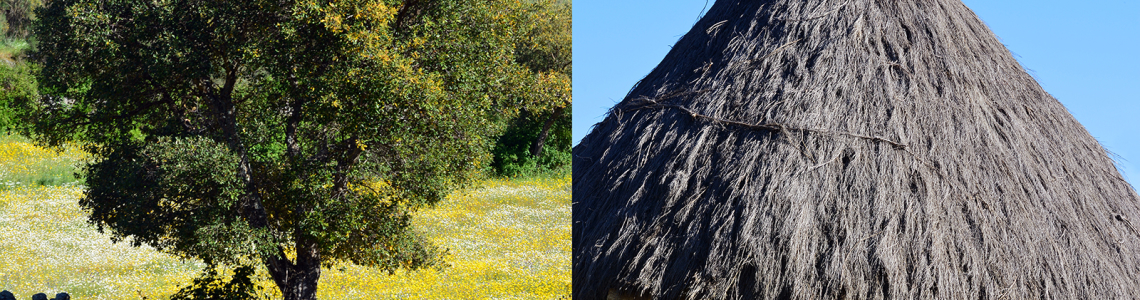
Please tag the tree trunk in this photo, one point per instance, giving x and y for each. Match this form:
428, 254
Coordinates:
297, 281
302, 285
536, 148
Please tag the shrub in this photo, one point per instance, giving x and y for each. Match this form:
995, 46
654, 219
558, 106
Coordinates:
512, 149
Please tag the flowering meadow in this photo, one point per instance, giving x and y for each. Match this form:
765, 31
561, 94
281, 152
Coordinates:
47, 247
506, 239
24, 164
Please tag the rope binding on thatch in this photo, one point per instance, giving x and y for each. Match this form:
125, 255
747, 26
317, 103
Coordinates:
646, 103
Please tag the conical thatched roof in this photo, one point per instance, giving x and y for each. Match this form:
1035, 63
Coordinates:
847, 149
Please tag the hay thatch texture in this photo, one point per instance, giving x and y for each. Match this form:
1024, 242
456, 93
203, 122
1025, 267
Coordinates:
848, 149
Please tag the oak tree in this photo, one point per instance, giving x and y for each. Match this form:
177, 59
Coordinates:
292, 133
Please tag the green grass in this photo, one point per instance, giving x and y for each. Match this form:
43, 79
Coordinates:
24, 164
11, 49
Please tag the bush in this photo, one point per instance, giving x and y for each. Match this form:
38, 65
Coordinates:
512, 149
17, 88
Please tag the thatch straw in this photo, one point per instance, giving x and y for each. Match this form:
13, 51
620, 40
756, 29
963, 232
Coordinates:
847, 149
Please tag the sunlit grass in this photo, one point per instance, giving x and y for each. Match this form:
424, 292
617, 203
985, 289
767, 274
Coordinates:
507, 239
46, 246
24, 164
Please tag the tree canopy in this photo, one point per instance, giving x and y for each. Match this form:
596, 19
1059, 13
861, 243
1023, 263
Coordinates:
545, 49
290, 133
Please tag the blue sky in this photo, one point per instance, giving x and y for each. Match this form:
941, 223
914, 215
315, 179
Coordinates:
1083, 53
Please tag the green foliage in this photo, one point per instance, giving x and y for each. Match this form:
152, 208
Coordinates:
546, 45
189, 184
17, 89
512, 149
544, 123
12, 50
212, 286
288, 132
18, 16
545, 48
